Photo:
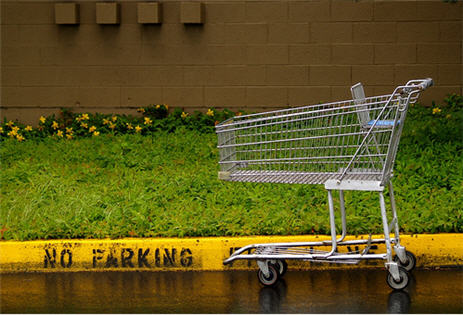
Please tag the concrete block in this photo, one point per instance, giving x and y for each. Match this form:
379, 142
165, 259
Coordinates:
395, 10
266, 96
227, 97
225, 12
330, 75
196, 75
352, 54
309, 95
342, 93
450, 31
416, 32
449, 75
395, 53
331, 32
404, 73
140, 96
439, 53
67, 13
238, 33
192, 12
373, 75
99, 96
108, 13
149, 12
310, 54
342, 10
284, 33
27, 12
438, 10
308, 11
226, 54
287, 75
223, 75
129, 14
266, 11
375, 32
183, 96
266, 54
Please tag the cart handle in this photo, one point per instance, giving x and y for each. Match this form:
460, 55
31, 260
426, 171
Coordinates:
426, 83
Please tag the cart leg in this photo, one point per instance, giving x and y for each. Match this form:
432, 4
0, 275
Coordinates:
332, 224
399, 249
343, 216
391, 266
385, 227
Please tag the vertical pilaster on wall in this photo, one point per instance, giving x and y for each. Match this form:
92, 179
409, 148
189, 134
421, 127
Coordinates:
149, 12
108, 13
192, 12
67, 13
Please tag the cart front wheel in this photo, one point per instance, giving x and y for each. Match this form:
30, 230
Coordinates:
411, 261
272, 277
403, 281
281, 266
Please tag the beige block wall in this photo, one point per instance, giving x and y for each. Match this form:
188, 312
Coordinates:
247, 54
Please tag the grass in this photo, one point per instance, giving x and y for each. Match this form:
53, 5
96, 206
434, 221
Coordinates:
165, 184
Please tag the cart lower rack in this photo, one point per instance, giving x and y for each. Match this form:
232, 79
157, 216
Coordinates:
348, 145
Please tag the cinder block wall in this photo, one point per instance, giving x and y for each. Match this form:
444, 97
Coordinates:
247, 54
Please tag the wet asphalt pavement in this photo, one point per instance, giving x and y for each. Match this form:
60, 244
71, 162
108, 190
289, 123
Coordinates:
351, 291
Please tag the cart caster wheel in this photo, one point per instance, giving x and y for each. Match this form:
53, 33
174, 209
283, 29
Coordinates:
281, 266
272, 277
411, 261
402, 283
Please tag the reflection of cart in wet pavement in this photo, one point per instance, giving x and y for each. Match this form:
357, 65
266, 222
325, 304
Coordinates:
348, 145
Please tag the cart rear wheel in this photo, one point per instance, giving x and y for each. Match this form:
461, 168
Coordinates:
402, 283
281, 266
411, 261
272, 277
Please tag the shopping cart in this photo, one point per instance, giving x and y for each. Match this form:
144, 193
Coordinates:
348, 145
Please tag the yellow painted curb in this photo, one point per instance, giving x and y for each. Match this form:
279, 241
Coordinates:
196, 254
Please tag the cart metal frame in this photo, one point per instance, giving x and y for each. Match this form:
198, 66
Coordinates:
348, 145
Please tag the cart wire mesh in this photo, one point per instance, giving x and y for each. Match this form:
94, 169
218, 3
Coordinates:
353, 139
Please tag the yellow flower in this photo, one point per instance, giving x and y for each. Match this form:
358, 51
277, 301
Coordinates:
92, 129
105, 121
69, 130
84, 117
96, 133
1, 129
69, 136
138, 128
114, 118
15, 129
112, 126
436, 110
166, 106
129, 126
239, 113
141, 110
158, 106
42, 119
210, 112
12, 133
28, 128
59, 133
148, 121
55, 125
184, 115
10, 123
20, 138
84, 125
